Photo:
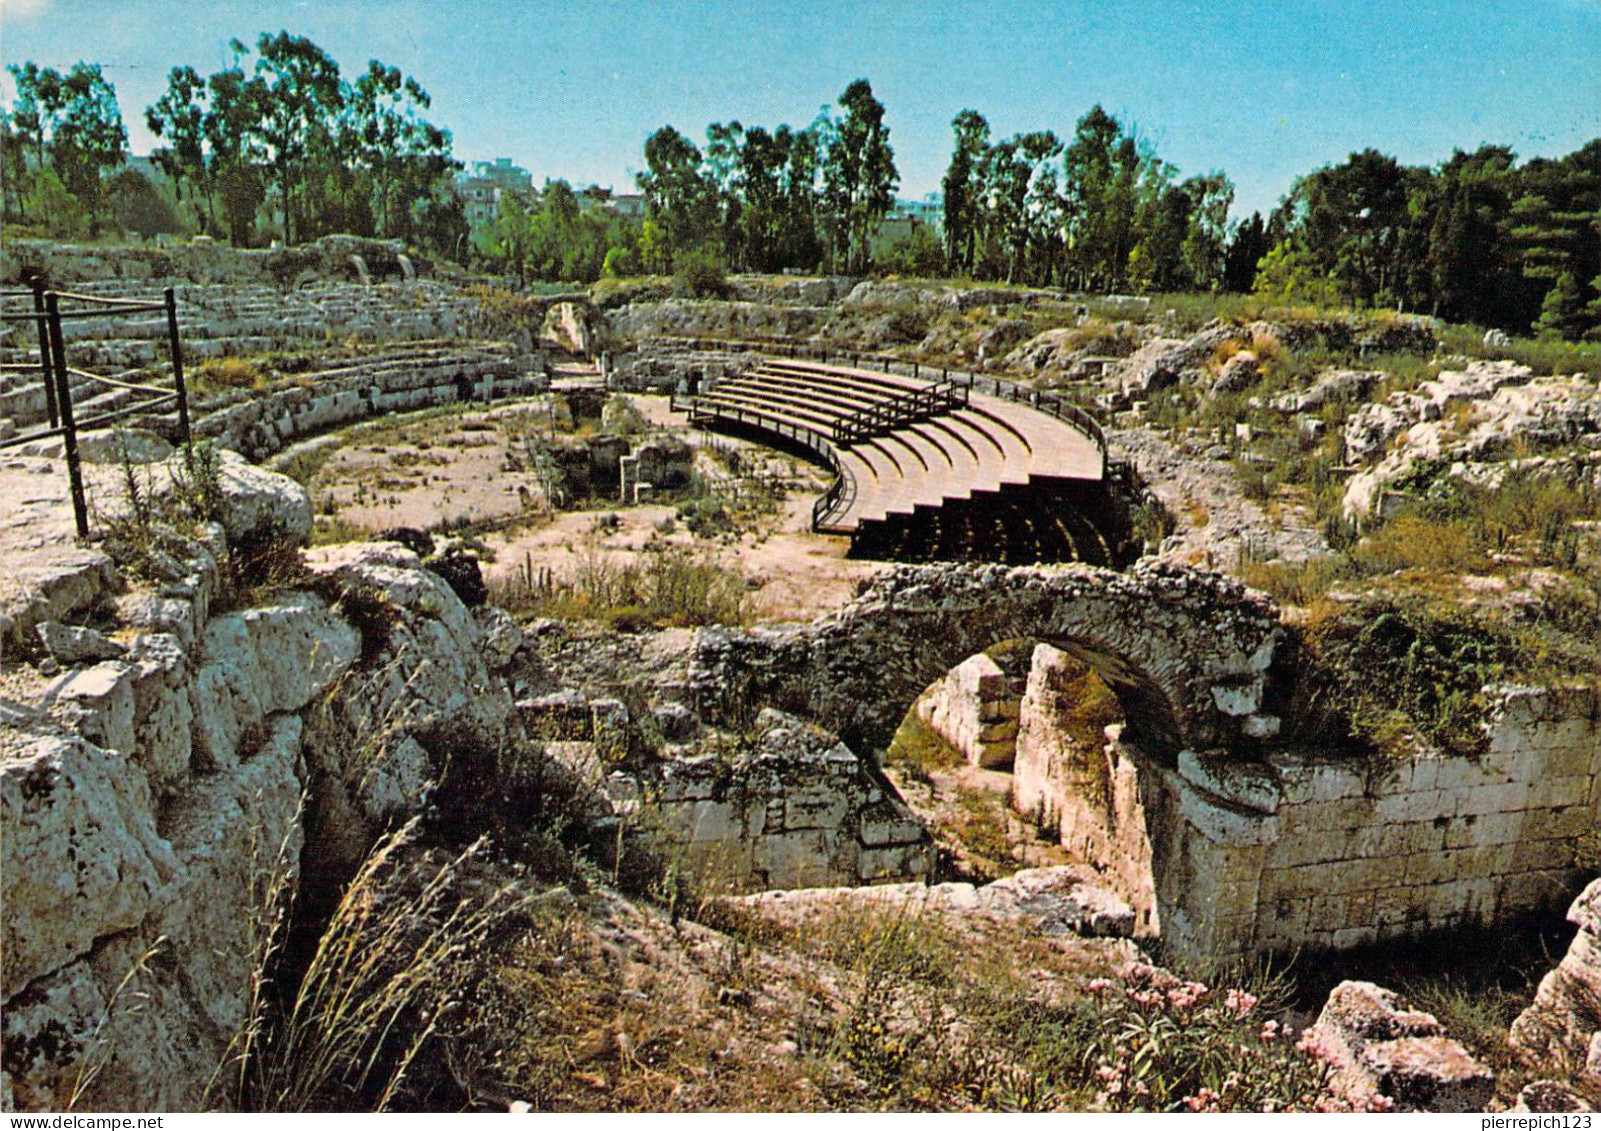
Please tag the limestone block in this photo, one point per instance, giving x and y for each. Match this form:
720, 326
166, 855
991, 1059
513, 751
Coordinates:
959, 707
805, 858
264, 661
70, 644
158, 614
1238, 698
1378, 1046
895, 860
261, 505
562, 716
1409, 837
609, 724
1057, 901
1223, 825
890, 822
162, 712
1570, 790
1305, 780
815, 805
104, 693
81, 854
722, 821
1253, 787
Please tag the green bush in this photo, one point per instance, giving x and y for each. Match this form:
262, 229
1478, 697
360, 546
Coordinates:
700, 274
1391, 669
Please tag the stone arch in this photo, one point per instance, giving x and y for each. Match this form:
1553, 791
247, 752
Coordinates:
1197, 646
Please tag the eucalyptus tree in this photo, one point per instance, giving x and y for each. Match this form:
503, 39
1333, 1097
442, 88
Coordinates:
963, 190
859, 174
73, 124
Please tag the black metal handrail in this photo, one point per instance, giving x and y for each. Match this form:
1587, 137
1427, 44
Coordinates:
894, 412
1043, 400
56, 375
841, 493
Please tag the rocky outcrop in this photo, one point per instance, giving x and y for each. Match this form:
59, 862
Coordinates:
1051, 901
1479, 413
156, 803
1380, 1048
704, 318
203, 260
1561, 1031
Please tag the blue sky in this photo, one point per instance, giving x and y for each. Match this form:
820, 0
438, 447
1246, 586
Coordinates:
1265, 90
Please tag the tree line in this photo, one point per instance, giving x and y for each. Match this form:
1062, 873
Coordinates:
281, 138
751, 199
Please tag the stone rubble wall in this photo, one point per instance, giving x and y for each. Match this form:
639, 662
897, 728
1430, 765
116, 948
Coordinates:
800, 809
973, 708
788, 819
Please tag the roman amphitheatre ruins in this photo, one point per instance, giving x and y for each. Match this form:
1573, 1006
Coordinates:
962, 618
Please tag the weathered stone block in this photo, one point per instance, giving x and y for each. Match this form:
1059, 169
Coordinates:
81, 855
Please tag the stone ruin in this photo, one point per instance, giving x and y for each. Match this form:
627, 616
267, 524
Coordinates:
1226, 836
139, 793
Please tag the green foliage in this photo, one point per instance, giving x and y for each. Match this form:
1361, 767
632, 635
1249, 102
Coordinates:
699, 274
69, 124
137, 206
1396, 669
330, 155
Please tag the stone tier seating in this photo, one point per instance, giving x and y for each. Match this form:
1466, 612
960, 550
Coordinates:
421, 350
987, 480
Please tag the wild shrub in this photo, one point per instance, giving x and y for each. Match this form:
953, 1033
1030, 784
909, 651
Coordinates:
219, 374
1391, 667
700, 274
1164, 1044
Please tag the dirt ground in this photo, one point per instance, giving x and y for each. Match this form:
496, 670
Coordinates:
448, 468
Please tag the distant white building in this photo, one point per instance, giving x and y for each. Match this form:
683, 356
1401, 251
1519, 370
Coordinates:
482, 184
929, 210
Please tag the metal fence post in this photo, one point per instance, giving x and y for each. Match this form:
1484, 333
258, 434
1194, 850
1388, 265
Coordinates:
175, 347
44, 355
69, 428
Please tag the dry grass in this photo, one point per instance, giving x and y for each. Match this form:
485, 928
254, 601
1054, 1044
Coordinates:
376, 989
666, 587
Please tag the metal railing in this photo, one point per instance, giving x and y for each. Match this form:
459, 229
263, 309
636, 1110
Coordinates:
47, 313
841, 493
885, 416
1042, 400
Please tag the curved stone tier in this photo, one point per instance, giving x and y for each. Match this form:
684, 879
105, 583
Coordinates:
969, 476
